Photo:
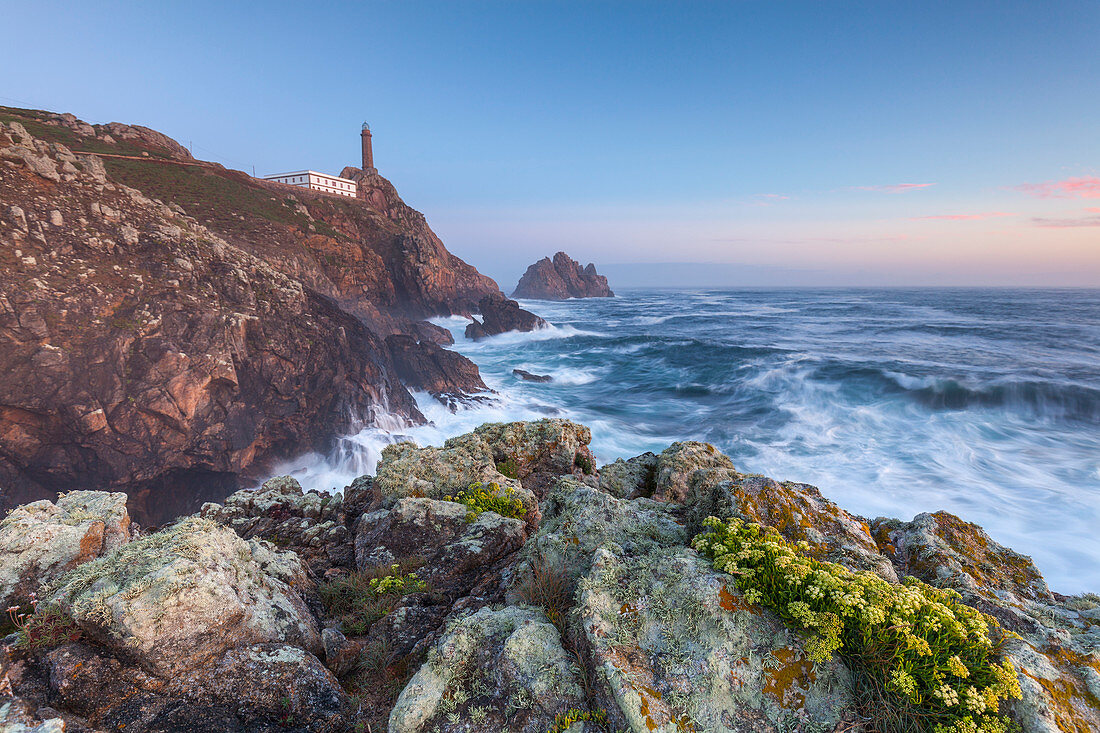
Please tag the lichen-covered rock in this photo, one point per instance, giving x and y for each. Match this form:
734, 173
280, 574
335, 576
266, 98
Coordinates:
678, 648
491, 671
678, 464
18, 716
408, 471
579, 519
282, 683
180, 597
943, 550
672, 644
539, 451
1058, 652
41, 541
630, 479
798, 511
451, 549
312, 525
1060, 687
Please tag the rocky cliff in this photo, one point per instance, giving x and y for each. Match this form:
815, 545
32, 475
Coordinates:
170, 327
501, 582
561, 278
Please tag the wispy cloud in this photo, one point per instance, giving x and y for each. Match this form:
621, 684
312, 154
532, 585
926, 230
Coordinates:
892, 187
968, 217
1094, 209
1085, 187
767, 199
1067, 223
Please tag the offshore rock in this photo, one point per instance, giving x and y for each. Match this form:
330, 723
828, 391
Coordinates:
529, 377
491, 671
499, 315
560, 279
39, 542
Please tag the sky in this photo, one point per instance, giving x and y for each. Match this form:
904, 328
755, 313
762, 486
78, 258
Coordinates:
671, 143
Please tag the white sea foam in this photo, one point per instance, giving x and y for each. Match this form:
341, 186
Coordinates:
994, 424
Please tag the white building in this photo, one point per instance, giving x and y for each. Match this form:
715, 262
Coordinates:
316, 181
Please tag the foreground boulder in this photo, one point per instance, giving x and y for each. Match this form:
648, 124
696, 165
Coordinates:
673, 644
491, 671
499, 315
41, 541
184, 596
560, 279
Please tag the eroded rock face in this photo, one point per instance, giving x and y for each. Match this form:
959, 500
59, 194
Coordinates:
41, 541
560, 279
179, 598
427, 367
173, 328
491, 671
499, 315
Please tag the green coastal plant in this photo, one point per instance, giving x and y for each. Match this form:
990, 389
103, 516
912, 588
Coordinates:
489, 498
564, 721
360, 599
923, 661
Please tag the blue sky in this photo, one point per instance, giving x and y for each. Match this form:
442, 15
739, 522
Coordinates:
771, 138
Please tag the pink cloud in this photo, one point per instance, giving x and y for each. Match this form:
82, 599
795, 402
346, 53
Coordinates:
1084, 221
967, 217
1094, 209
894, 187
1085, 187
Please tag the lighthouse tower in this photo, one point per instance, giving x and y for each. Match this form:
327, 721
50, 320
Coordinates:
368, 153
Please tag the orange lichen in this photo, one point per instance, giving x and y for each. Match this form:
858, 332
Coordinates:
789, 682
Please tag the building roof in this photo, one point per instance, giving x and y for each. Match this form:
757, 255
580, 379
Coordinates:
307, 172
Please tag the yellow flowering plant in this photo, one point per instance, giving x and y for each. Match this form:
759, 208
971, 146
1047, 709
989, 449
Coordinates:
923, 659
489, 498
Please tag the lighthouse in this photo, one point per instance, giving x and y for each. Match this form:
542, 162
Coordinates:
368, 153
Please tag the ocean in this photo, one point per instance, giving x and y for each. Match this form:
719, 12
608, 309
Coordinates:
982, 402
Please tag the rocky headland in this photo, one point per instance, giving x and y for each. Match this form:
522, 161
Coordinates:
503, 582
561, 278
172, 327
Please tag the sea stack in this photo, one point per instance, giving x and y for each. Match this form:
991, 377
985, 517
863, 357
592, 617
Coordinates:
560, 279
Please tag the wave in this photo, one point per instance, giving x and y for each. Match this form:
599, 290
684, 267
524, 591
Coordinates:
1041, 399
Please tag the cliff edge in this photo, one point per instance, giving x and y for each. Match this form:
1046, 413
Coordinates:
171, 327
